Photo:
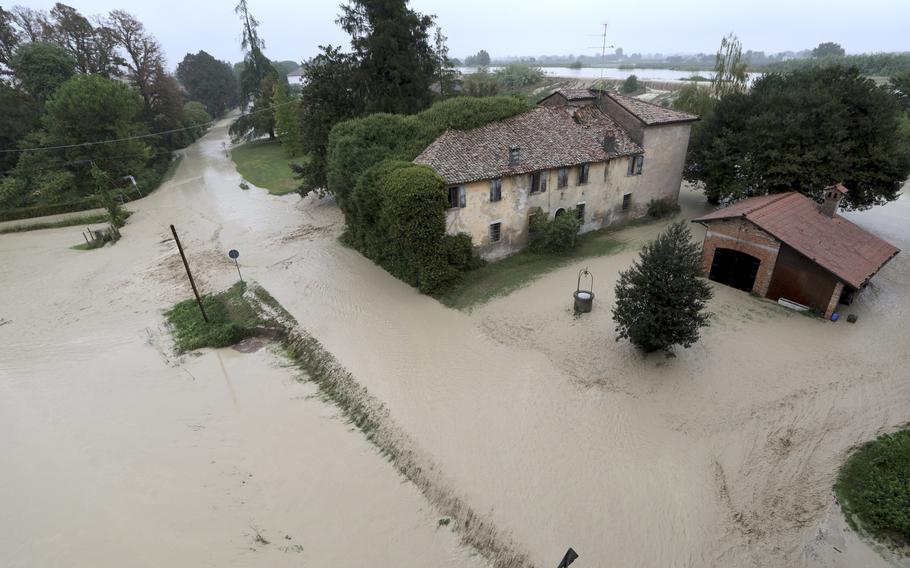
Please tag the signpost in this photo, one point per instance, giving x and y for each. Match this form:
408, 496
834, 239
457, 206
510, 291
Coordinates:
234, 254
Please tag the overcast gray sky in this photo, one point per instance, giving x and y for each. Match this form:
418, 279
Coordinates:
294, 30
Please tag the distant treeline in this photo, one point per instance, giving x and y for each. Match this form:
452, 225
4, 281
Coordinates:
870, 64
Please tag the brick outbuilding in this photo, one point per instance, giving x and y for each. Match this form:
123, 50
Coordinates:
788, 246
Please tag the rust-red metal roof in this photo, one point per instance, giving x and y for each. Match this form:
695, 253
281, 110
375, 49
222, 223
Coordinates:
843, 248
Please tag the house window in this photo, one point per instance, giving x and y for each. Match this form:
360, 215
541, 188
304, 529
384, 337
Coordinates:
456, 197
635, 164
539, 181
559, 212
563, 178
583, 173
580, 212
495, 231
495, 190
626, 201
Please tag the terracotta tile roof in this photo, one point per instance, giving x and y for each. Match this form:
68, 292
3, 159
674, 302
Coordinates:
849, 252
548, 138
649, 113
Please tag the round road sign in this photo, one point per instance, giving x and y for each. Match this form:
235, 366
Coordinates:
233, 253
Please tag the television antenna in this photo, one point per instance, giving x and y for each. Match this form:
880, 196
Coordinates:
603, 49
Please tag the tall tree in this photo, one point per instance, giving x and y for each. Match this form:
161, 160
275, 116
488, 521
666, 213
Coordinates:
91, 108
40, 68
92, 47
394, 51
447, 76
18, 116
257, 81
162, 101
327, 97
900, 86
144, 60
729, 68
9, 39
287, 119
209, 81
479, 59
34, 25
660, 300
828, 49
802, 131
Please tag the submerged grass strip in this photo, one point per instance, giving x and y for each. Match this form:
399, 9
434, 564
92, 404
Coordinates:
254, 310
503, 277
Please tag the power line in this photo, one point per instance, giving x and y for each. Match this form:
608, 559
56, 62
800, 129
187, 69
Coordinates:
140, 136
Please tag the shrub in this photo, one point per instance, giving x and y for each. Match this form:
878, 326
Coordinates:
660, 208
558, 235
630, 85
874, 488
518, 75
660, 299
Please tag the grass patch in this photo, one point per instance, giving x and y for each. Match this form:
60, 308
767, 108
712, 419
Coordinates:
90, 219
873, 489
231, 319
264, 164
505, 276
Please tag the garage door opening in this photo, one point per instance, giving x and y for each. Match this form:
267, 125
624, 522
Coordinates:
734, 268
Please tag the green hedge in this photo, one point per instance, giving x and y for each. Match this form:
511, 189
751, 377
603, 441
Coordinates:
54, 209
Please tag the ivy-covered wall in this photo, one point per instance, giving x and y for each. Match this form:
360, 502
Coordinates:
395, 210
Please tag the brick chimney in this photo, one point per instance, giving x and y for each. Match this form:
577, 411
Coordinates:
832, 196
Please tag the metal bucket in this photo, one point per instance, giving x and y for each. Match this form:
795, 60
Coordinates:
584, 301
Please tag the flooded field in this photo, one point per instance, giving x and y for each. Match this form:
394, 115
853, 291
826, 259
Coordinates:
722, 456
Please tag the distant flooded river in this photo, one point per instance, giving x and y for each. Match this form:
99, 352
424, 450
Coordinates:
616, 73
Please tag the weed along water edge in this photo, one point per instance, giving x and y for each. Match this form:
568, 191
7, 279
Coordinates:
551, 432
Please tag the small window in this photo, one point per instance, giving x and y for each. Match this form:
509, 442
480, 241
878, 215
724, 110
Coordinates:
495, 232
635, 165
539, 182
495, 190
626, 201
456, 197
563, 179
583, 171
580, 212
559, 212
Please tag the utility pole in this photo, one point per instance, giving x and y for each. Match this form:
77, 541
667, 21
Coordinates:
189, 274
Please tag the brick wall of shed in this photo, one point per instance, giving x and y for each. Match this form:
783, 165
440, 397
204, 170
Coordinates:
741, 235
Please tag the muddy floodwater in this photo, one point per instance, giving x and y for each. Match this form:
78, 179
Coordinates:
116, 452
